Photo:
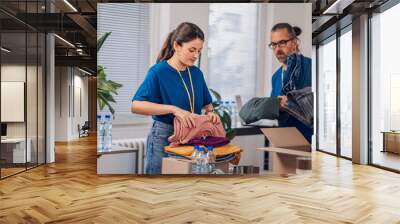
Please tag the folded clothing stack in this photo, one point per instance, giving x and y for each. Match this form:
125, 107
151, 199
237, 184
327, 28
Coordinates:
203, 127
227, 153
209, 141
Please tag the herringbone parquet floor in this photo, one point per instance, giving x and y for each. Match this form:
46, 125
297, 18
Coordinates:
69, 191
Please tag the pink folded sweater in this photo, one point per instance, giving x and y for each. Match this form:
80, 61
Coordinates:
204, 127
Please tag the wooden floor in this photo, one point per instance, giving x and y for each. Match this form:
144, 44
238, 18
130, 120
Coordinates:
10, 171
387, 159
69, 191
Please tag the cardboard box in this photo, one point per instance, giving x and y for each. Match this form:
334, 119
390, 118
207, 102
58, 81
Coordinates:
285, 144
172, 165
223, 166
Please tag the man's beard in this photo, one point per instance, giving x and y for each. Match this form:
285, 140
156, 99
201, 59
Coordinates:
282, 58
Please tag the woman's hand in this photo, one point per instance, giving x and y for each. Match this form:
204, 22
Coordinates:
214, 118
185, 116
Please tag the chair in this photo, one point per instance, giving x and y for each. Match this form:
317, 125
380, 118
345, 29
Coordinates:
84, 130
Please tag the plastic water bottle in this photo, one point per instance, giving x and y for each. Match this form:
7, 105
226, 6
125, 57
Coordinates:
211, 158
234, 113
108, 133
196, 158
100, 133
221, 103
229, 107
200, 160
204, 168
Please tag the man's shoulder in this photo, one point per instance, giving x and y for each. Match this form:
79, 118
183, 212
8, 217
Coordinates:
307, 60
277, 73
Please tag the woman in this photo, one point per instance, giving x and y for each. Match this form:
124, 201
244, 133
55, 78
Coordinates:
173, 88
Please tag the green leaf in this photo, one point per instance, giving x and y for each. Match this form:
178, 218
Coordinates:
102, 39
230, 134
224, 115
105, 88
103, 101
227, 120
216, 94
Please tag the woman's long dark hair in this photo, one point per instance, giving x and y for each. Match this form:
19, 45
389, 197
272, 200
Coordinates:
185, 32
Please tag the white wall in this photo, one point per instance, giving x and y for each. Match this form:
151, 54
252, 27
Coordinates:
33, 126
68, 81
50, 94
165, 17
12, 73
296, 14
79, 117
61, 103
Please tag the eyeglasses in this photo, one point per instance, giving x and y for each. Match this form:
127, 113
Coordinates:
281, 43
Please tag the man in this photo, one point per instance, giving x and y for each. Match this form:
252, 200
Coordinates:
285, 42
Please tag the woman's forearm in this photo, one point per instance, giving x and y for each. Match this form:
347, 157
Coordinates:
149, 108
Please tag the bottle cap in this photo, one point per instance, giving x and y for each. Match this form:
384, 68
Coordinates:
108, 116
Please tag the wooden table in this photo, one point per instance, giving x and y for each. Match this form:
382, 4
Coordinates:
391, 141
118, 160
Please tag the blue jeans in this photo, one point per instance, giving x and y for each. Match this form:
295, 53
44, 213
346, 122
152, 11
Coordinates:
156, 141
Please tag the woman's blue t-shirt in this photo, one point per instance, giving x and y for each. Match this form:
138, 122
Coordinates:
163, 85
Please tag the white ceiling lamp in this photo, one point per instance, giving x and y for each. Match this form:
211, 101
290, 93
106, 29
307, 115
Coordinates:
65, 41
70, 5
79, 51
338, 6
5, 50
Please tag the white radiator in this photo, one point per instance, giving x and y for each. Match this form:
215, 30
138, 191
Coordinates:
135, 143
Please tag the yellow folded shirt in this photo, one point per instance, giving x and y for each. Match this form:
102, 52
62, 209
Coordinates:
186, 150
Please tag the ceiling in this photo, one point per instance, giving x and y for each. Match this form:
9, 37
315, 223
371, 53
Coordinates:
332, 15
76, 20
72, 20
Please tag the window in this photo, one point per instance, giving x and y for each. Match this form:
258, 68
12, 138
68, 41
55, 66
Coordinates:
346, 94
232, 50
327, 96
22, 75
385, 86
125, 54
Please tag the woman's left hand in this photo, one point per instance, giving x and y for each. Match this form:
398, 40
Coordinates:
214, 118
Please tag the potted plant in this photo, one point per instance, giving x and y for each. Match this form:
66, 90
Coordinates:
105, 88
224, 114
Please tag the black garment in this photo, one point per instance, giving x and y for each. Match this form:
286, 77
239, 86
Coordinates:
297, 76
301, 105
260, 108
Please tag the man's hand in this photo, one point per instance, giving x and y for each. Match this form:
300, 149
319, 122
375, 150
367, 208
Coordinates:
283, 101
